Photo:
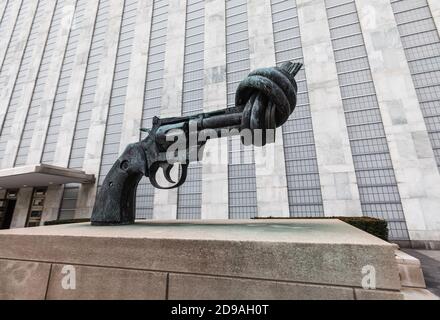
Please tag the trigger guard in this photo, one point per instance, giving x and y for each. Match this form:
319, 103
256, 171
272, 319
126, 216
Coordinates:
152, 176
166, 172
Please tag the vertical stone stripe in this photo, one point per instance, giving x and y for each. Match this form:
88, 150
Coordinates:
270, 168
98, 120
23, 104
51, 206
3, 6
421, 44
303, 183
86, 104
73, 95
8, 22
10, 72
21, 211
46, 103
189, 195
15, 103
241, 160
54, 193
338, 180
96, 53
136, 77
70, 112
215, 166
174, 56
70, 61
379, 194
38, 94
152, 95
411, 153
434, 6
165, 201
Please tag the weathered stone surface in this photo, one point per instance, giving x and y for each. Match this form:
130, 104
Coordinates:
410, 270
23, 279
8, 28
430, 262
24, 198
326, 252
339, 188
434, 6
411, 276
107, 283
362, 294
52, 202
418, 294
196, 287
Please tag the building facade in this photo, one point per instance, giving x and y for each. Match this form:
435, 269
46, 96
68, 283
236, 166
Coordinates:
78, 78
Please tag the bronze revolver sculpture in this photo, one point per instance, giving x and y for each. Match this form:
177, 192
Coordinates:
264, 101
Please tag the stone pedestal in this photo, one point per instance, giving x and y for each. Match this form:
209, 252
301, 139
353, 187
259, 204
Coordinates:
248, 259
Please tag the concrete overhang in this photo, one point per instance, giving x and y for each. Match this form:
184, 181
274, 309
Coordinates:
40, 175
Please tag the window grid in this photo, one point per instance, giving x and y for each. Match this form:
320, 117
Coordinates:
38, 93
23, 13
6, 19
189, 198
89, 86
241, 167
4, 12
379, 194
23, 75
87, 96
421, 43
152, 96
63, 83
303, 183
110, 151
68, 202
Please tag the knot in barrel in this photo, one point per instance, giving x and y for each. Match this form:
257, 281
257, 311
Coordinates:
268, 96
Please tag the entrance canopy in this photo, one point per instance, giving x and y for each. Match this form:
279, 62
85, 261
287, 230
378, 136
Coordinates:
40, 175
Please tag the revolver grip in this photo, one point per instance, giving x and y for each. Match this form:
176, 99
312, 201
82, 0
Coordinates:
166, 168
116, 199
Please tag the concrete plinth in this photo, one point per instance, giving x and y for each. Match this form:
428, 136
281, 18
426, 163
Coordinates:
217, 259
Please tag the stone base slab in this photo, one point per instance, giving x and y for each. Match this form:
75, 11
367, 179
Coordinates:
418, 294
219, 259
410, 270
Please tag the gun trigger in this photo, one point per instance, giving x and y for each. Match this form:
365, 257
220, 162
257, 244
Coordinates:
167, 171
152, 175
184, 169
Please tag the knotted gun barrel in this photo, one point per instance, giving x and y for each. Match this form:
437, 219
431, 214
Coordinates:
269, 96
264, 100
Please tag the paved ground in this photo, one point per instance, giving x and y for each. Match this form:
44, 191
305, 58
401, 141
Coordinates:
430, 260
